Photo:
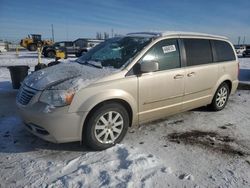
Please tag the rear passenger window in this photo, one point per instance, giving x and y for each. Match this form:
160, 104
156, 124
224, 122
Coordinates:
198, 51
223, 51
166, 53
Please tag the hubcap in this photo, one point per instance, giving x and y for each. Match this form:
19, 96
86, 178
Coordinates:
221, 97
109, 127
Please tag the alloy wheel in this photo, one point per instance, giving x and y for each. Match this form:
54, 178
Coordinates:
221, 97
109, 127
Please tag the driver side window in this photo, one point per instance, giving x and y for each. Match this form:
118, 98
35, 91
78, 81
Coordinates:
166, 53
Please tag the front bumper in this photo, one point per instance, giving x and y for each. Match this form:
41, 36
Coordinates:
58, 125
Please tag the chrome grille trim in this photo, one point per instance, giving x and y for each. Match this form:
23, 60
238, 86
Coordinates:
25, 94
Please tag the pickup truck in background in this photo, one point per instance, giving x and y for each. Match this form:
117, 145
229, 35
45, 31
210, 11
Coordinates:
77, 47
246, 52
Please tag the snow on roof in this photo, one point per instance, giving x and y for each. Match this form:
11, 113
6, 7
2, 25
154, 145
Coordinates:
179, 33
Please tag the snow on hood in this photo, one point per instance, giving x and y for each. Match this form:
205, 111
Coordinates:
65, 75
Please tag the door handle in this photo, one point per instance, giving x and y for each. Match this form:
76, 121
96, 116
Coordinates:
178, 76
191, 74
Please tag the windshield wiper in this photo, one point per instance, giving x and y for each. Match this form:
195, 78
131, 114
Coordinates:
87, 63
96, 66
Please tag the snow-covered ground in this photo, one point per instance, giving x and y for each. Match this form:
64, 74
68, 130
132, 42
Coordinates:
197, 148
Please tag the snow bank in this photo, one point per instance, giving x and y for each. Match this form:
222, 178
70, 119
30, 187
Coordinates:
24, 58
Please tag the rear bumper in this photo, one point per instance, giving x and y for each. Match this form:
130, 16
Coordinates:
234, 86
56, 126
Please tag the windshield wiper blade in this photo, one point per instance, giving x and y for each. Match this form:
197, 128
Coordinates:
96, 66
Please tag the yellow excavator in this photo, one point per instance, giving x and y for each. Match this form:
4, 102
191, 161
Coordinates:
33, 40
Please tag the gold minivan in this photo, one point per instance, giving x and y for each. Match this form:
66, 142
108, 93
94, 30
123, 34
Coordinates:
126, 81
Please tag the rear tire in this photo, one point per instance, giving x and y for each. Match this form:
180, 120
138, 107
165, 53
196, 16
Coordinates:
78, 54
81, 53
106, 126
220, 97
50, 54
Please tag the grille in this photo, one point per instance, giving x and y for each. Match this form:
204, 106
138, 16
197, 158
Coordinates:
25, 94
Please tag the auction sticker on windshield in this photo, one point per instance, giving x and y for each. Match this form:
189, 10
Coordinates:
168, 49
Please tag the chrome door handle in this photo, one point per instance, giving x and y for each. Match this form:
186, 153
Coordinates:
178, 76
191, 74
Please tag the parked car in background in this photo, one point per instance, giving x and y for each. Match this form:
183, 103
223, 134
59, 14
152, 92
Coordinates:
239, 49
246, 52
83, 45
2, 47
50, 51
77, 47
127, 81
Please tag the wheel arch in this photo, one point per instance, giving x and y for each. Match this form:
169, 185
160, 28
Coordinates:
120, 101
229, 83
83, 50
225, 79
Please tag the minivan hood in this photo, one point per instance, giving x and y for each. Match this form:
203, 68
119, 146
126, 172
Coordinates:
58, 74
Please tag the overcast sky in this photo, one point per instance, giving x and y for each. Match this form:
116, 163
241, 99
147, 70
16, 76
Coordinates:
83, 18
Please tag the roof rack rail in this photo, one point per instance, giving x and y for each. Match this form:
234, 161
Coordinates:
156, 34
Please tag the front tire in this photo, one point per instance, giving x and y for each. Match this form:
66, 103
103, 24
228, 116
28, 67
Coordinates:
32, 47
220, 98
106, 126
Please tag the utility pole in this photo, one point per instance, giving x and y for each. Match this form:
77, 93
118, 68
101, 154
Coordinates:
52, 30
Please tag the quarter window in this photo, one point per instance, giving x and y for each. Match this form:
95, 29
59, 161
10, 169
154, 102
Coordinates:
223, 51
166, 53
198, 51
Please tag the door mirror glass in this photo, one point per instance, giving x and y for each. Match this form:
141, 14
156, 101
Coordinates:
149, 66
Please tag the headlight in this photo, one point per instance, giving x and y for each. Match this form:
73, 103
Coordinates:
57, 97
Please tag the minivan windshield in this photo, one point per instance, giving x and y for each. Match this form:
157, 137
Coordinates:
114, 52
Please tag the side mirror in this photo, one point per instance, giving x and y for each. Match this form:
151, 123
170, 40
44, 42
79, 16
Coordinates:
149, 66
